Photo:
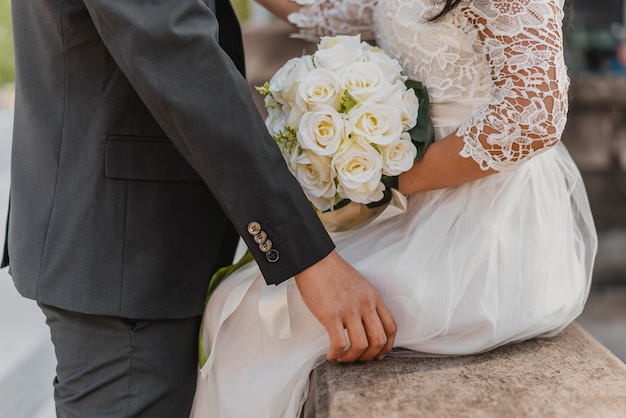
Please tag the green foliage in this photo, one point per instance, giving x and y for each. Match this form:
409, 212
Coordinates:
348, 101
264, 89
242, 9
219, 276
422, 134
7, 72
287, 140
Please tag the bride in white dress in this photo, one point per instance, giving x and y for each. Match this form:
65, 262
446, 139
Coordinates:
470, 265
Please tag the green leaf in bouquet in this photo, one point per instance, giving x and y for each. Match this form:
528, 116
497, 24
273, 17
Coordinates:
348, 101
264, 89
287, 139
390, 182
224, 272
340, 204
423, 133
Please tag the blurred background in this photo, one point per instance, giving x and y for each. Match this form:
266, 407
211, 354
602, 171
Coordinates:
595, 50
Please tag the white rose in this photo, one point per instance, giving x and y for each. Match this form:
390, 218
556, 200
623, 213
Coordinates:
337, 52
284, 84
276, 119
358, 167
351, 41
378, 123
389, 66
281, 81
321, 130
319, 86
315, 176
365, 81
399, 156
293, 115
270, 101
406, 101
289, 155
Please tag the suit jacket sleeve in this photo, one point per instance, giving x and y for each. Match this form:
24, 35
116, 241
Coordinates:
170, 53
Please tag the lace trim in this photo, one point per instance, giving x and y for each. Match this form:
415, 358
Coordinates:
523, 45
319, 18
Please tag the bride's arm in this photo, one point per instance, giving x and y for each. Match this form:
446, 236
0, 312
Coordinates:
523, 46
280, 8
441, 166
316, 18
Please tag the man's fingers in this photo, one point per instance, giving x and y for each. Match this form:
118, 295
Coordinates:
376, 337
390, 328
371, 334
337, 338
358, 340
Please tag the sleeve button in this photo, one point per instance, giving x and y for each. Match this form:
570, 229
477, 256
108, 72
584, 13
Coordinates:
265, 246
254, 228
260, 238
272, 255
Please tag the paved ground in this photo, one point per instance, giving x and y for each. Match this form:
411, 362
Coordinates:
26, 355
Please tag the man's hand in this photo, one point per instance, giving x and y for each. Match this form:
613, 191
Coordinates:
340, 298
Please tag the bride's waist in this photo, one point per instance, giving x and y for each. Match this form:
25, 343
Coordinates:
448, 116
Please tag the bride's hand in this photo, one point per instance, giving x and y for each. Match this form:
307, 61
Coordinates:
340, 298
281, 8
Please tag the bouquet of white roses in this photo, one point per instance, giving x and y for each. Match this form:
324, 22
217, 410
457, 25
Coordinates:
346, 121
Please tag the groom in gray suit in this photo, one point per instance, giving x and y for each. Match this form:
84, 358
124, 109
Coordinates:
138, 159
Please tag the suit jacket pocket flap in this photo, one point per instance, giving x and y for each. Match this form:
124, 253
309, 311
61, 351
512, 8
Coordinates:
151, 159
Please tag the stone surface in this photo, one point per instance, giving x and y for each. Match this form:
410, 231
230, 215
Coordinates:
589, 138
610, 264
607, 196
620, 143
596, 127
604, 317
571, 375
598, 91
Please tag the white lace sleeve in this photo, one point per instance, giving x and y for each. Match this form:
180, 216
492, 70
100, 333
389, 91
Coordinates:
522, 43
334, 17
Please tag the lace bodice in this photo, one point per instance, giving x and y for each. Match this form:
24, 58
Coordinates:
494, 68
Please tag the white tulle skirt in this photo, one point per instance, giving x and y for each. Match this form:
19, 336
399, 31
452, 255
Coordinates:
463, 270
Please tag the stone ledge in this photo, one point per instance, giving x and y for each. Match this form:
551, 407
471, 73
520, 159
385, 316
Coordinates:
600, 91
571, 375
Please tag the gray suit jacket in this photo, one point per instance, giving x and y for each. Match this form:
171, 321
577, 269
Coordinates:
125, 112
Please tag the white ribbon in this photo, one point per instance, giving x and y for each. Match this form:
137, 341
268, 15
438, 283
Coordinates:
453, 114
274, 310
356, 215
